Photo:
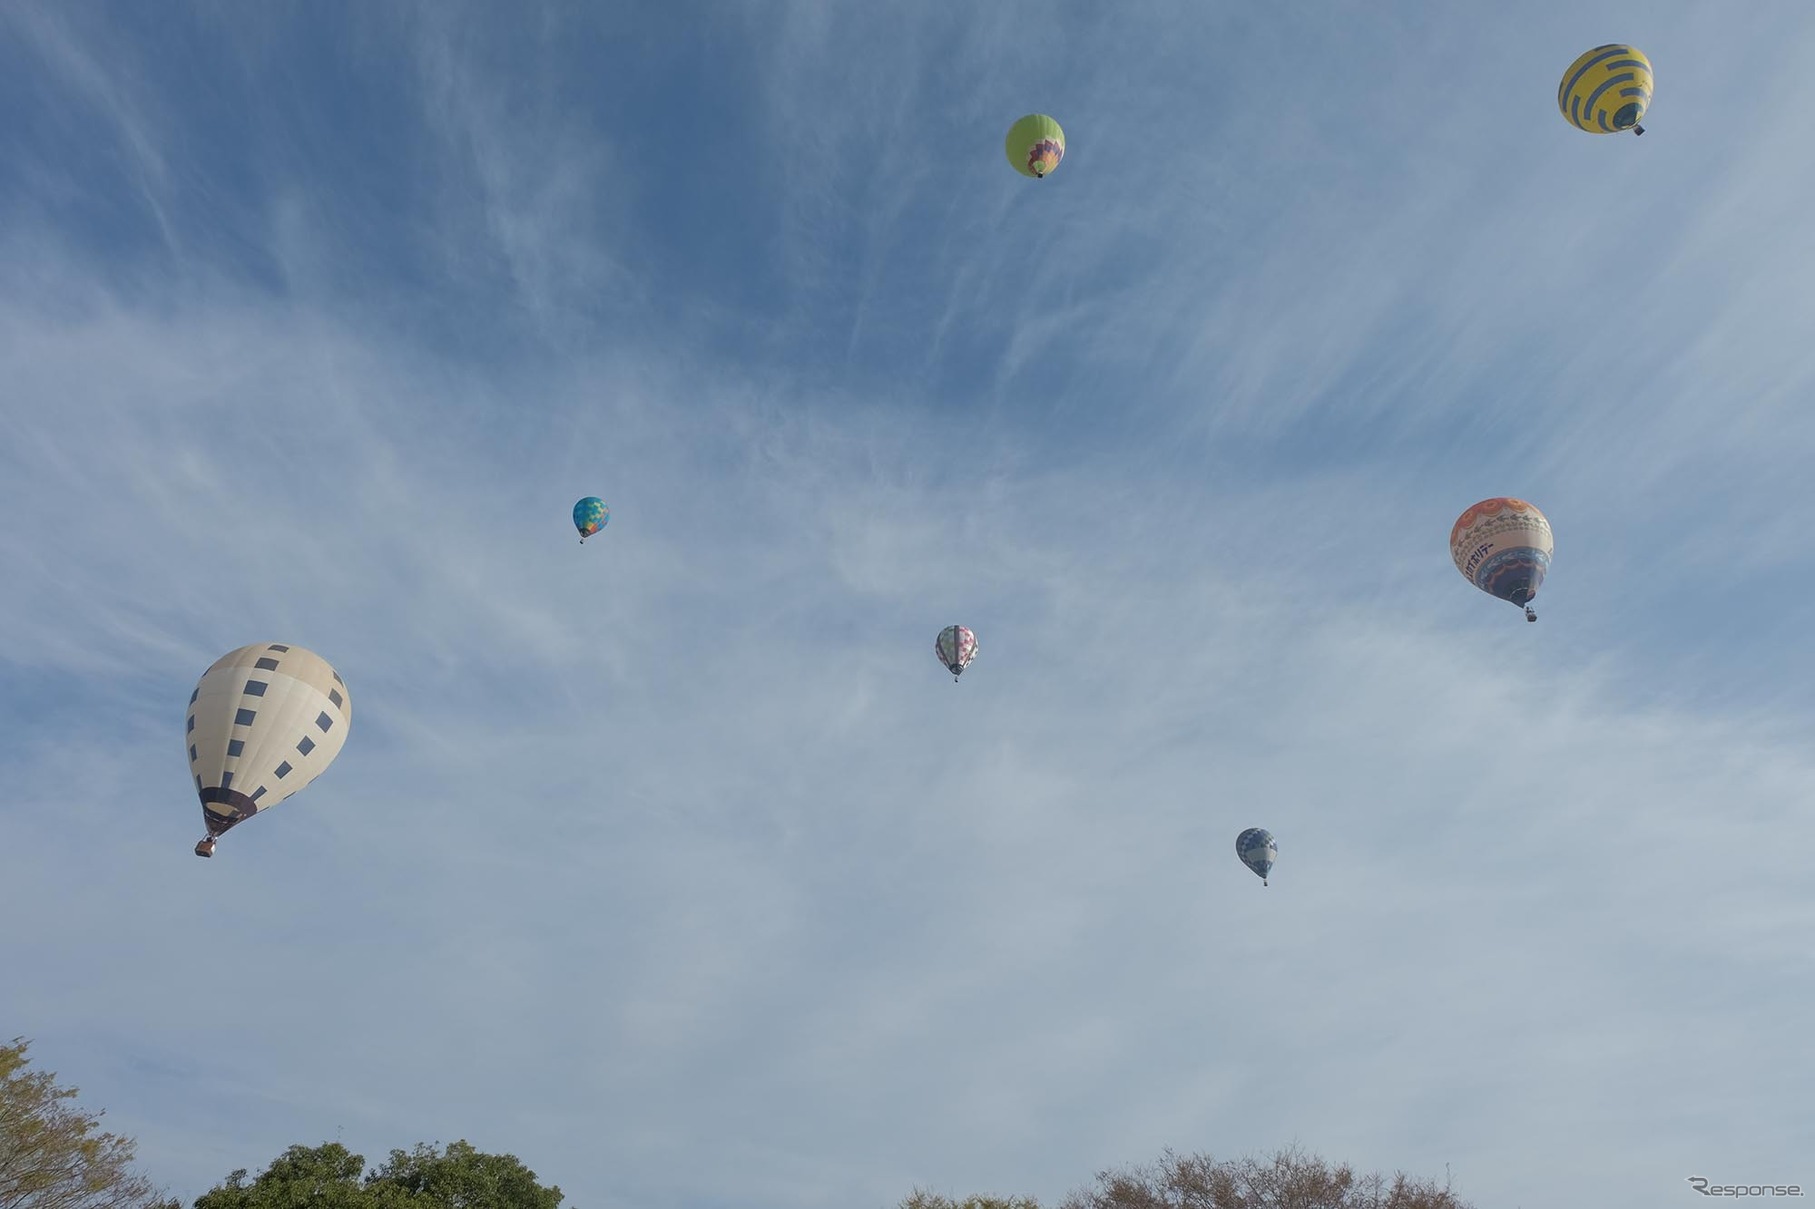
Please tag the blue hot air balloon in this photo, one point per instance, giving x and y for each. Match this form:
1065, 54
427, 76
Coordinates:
1258, 851
589, 516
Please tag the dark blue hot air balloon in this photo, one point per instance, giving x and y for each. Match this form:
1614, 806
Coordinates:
1258, 851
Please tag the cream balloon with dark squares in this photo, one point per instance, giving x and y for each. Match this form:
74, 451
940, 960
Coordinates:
263, 722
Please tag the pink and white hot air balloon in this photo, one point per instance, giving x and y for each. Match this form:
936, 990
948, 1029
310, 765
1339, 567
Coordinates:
956, 647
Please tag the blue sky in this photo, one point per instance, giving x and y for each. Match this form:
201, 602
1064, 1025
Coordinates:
674, 864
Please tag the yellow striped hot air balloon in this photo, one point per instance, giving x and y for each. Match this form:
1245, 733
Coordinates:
1607, 90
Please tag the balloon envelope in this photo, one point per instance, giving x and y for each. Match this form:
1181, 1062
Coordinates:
590, 515
1503, 547
264, 721
1257, 850
956, 647
1035, 145
1606, 90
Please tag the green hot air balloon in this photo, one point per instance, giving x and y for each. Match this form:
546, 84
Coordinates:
1035, 145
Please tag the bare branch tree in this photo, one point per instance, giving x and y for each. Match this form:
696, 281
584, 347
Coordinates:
921, 1199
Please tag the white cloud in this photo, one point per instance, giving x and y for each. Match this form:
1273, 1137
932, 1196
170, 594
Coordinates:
675, 865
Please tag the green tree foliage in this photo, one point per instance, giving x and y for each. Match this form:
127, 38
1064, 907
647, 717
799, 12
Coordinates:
332, 1177
325, 1177
55, 1156
1288, 1179
463, 1178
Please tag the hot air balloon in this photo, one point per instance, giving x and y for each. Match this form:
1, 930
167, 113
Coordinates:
1503, 546
589, 516
1258, 851
1606, 90
956, 647
1035, 145
264, 721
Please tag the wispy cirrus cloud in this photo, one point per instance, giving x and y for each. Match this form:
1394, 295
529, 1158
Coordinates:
676, 866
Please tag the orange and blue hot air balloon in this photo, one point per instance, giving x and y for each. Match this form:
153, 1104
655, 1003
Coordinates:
1503, 546
589, 516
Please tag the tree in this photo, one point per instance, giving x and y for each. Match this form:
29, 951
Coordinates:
1289, 1179
464, 1178
332, 1177
53, 1155
323, 1177
920, 1199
